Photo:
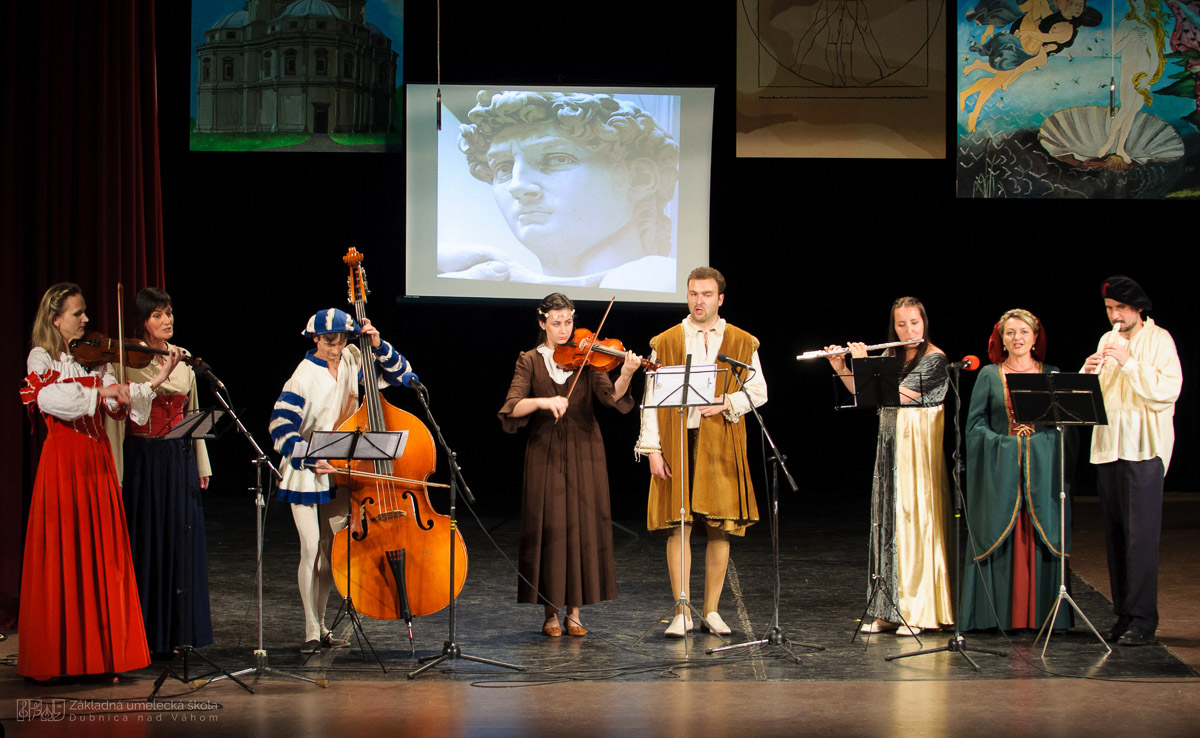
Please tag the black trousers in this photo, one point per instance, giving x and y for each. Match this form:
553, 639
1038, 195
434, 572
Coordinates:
1131, 495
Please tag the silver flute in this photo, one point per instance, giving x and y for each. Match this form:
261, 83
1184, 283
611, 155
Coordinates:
820, 354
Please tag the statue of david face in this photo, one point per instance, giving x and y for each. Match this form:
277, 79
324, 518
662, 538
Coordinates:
563, 201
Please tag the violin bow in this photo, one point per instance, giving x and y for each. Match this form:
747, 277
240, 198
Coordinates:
587, 355
120, 334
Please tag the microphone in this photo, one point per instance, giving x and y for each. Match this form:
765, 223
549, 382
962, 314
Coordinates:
204, 369
408, 379
970, 362
735, 362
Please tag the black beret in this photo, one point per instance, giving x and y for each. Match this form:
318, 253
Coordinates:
1123, 289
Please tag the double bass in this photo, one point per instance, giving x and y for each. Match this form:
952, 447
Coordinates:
394, 534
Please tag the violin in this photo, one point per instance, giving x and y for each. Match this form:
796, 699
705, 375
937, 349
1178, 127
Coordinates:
604, 355
96, 349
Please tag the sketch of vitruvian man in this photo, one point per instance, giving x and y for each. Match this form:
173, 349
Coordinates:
839, 48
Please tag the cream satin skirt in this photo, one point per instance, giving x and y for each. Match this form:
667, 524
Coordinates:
921, 523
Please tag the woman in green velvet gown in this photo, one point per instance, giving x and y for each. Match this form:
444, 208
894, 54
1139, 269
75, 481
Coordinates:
1011, 573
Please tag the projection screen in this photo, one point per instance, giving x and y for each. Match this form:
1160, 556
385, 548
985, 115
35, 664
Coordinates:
529, 190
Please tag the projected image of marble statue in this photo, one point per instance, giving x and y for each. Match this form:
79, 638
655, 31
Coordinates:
1072, 104
584, 182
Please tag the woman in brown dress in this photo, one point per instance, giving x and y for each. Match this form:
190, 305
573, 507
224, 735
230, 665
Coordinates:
566, 549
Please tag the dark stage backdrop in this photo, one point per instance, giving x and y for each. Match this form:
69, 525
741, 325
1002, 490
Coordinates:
814, 251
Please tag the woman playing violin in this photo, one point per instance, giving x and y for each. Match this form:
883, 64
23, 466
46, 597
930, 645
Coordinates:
79, 602
566, 551
162, 486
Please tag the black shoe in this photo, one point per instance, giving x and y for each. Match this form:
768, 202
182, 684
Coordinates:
329, 641
311, 646
1116, 631
1135, 636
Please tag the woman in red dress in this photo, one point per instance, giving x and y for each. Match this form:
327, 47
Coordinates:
79, 601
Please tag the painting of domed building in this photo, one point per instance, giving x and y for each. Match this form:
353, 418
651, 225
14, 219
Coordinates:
295, 66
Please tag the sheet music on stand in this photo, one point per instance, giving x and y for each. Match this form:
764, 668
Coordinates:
201, 424
1057, 399
877, 383
666, 388
336, 445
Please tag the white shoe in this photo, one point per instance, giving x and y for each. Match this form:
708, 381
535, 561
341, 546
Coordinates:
716, 624
679, 627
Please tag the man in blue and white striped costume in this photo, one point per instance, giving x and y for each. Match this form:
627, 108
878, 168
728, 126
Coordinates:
321, 394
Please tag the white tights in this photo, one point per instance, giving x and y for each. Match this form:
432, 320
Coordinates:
316, 525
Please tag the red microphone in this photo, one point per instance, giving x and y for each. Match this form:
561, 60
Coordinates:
970, 363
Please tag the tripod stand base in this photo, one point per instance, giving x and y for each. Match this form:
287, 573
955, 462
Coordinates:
450, 652
347, 609
183, 653
775, 637
1048, 626
260, 668
956, 644
876, 588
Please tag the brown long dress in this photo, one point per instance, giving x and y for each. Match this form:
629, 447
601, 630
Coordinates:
566, 549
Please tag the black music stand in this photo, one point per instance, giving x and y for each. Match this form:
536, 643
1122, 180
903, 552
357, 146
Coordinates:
349, 446
202, 424
876, 384
1060, 400
774, 635
958, 642
682, 387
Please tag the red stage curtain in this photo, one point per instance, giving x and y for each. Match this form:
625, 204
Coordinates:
80, 197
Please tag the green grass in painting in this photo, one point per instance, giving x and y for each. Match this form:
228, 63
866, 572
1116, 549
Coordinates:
245, 141
359, 139
390, 140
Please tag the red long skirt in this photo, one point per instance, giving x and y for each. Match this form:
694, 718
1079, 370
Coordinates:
79, 602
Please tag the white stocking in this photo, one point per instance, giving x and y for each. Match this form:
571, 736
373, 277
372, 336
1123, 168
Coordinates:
316, 525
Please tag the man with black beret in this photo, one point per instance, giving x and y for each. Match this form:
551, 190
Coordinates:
1140, 378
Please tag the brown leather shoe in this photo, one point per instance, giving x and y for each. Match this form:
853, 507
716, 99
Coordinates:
575, 629
552, 630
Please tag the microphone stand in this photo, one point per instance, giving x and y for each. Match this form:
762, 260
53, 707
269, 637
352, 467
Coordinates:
775, 635
450, 647
958, 642
260, 668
